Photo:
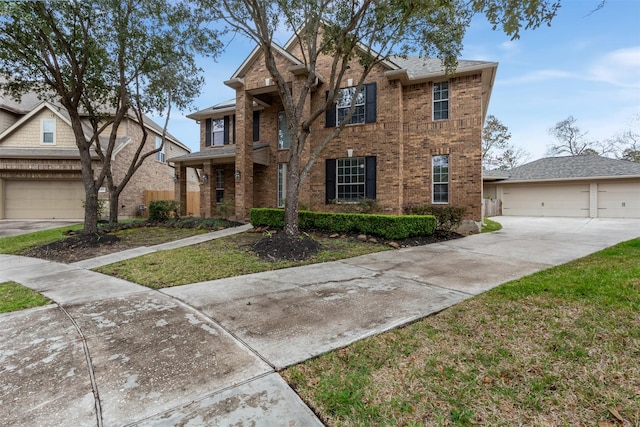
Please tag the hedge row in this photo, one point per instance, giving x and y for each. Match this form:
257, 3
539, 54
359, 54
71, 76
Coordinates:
386, 226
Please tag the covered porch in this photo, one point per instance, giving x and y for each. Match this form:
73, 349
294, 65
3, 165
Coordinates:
223, 179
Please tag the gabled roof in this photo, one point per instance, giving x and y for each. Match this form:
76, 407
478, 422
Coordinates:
222, 109
253, 56
30, 105
573, 168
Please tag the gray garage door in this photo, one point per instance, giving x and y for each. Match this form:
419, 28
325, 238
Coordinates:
571, 200
620, 200
44, 200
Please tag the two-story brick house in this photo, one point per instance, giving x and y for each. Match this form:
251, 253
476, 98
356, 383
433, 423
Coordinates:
414, 138
40, 170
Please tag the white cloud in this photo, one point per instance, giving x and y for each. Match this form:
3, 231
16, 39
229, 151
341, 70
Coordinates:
538, 76
510, 46
620, 67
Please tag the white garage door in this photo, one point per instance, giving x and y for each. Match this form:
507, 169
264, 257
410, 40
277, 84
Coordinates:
620, 200
44, 200
570, 200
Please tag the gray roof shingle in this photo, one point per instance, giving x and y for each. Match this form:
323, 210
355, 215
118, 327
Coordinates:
574, 167
417, 66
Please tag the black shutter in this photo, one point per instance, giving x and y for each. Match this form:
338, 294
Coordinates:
330, 180
370, 177
207, 133
226, 130
330, 114
256, 126
234, 128
370, 103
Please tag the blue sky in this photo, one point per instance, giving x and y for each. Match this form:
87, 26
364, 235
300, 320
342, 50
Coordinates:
586, 65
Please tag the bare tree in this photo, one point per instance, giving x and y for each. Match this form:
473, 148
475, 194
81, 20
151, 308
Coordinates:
495, 138
571, 140
103, 61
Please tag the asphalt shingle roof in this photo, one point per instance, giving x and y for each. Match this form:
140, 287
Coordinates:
572, 167
417, 66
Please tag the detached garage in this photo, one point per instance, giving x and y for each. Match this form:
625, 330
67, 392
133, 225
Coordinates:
580, 186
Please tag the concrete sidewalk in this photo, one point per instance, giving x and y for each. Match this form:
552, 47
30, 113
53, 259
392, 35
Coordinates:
115, 353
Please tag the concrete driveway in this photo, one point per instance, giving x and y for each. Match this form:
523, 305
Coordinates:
9, 227
114, 353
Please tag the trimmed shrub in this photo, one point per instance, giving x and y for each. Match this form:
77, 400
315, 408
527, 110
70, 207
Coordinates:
163, 210
447, 217
386, 226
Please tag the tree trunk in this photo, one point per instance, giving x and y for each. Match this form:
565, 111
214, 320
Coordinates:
291, 202
91, 196
114, 197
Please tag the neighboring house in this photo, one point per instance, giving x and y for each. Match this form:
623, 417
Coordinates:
414, 138
576, 186
40, 172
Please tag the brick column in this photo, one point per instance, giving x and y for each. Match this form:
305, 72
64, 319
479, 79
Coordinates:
181, 189
207, 189
244, 155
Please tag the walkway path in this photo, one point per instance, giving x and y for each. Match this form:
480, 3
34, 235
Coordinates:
111, 352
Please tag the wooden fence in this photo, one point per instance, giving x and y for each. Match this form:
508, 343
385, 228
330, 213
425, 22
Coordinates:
193, 200
491, 207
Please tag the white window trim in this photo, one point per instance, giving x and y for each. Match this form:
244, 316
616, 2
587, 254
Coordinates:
363, 166
215, 131
434, 182
281, 131
281, 193
42, 124
219, 184
160, 155
363, 105
433, 101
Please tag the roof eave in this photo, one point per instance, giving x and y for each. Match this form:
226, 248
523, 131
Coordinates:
581, 178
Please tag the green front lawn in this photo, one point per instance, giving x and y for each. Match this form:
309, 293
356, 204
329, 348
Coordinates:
226, 257
558, 348
16, 244
14, 296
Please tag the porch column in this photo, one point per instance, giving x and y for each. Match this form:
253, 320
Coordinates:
207, 198
243, 174
181, 188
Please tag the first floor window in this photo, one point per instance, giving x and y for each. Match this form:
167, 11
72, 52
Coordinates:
48, 131
282, 184
440, 165
219, 185
441, 101
160, 154
350, 179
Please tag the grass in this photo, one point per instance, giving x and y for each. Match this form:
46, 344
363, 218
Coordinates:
557, 348
14, 296
16, 244
220, 258
489, 225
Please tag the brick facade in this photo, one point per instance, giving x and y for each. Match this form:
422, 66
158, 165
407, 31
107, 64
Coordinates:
404, 137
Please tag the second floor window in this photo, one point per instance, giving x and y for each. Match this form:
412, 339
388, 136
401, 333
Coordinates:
217, 132
284, 140
364, 109
441, 101
48, 131
346, 97
160, 154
